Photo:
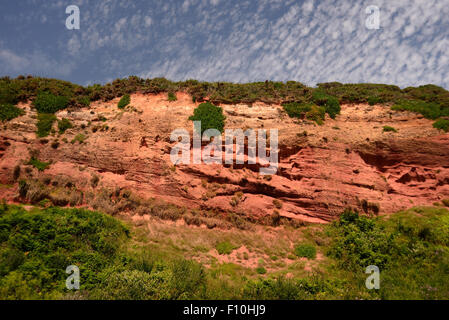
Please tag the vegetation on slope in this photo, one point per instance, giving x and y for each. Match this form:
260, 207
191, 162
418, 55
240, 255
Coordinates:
51, 95
411, 249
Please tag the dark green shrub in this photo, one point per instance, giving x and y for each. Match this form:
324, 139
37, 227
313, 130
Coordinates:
172, 96
64, 124
389, 129
442, 124
211, 117
261, 270
330, 103
305, 250
429, 110
9, 112
297, 109
45, 124
48, 103
124, 101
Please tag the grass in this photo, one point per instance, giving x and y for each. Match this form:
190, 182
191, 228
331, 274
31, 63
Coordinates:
9, 112
172, 96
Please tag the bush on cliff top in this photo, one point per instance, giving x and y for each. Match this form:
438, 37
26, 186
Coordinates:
211, 117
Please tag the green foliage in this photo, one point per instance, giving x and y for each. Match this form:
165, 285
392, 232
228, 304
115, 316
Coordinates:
442, 124
445, 202
39, 165
330, 103
305, 250
172, 96
211, 117
430, 110
305, 110
225, 247
388, 129
261, 270
49, 103
124, 101
9, 112
64, 124
45, 124
37, 246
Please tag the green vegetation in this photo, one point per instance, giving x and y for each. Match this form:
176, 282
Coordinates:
172, 96
45, 124
49, 103
388, 129
305, 250
124, 101
225, 247
442, 124
64, 124
445, 202
305, 110
330, 103
80, 138
39, 165
211, 117
9, 112
411, 248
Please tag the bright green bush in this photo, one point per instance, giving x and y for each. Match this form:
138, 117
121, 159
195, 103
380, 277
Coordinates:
49, 103
305, 250
64, 124
9, 112
45, 123
442, 124
124, 101
211, 117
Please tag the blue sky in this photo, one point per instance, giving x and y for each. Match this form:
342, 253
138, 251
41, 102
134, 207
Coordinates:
222, 40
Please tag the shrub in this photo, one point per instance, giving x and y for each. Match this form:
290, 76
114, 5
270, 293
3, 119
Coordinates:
9, 112
45, 124
211, 117
225, 247
445, 202
124, 101
305, 250
48, 103
79, 138
64, 124
277, 203
172, 96
39, 165
16, 172
297, 109
261, 270
442, 124
389, 129
430, 110
330, 103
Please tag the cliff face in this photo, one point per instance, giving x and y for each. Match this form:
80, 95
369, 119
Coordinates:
346, 162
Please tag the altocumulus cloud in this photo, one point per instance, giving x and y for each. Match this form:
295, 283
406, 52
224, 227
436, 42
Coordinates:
239, 41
